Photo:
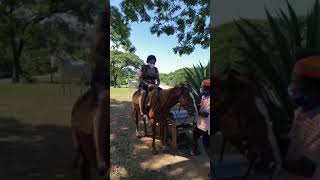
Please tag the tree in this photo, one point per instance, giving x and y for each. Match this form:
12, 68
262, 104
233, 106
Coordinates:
21, 20
120, 62
188, 19
120, 31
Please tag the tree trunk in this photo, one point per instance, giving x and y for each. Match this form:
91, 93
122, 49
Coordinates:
51, 76
115, 81
16, 54
15, 70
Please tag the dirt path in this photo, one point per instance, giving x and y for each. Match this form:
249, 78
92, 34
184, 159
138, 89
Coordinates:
132, 158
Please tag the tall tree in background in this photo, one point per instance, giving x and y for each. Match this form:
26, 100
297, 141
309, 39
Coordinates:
187, 19
22, 20
120, 62
120, 31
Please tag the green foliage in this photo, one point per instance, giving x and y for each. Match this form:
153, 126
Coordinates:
192, 77
32, 25
195, 77
188, 19
173, 78
270, 51
120, 31
225, 52
122, 65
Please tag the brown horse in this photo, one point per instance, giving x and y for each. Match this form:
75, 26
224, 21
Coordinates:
243, 125
90, 113
86, 144
161, 101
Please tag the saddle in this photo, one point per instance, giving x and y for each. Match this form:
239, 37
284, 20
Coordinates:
146, 105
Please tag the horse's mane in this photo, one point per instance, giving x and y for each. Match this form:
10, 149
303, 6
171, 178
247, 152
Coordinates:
99, 46
157, 98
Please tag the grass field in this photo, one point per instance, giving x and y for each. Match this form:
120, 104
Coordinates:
35, 136
37, 103
121, 94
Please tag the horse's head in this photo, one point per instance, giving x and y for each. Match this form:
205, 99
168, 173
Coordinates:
186, 99
236, 95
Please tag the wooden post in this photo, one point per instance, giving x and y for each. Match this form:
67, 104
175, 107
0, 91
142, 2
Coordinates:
174, 137
158, 130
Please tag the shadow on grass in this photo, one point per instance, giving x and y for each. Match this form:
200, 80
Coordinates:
34, 152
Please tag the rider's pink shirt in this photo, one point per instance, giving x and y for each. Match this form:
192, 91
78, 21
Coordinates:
203, 123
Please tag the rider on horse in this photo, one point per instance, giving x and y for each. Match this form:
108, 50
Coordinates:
148, 80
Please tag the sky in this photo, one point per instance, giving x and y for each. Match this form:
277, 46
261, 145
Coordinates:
161, 47
226, 10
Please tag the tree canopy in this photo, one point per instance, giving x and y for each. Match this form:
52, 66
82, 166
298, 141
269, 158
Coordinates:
123, 64
187, 19
26, 26
120, 31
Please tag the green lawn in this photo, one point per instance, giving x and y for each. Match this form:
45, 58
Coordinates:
44, 103
121, 94
37, 103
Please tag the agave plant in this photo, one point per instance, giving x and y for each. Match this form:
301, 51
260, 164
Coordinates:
194, 78
273, 58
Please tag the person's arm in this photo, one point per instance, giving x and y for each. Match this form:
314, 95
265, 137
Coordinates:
141, 77
204, 111
158, 78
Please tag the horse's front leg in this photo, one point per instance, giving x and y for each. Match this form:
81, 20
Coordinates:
163, 135
76, 150
145, 127
136, 116
84, 169
153, 125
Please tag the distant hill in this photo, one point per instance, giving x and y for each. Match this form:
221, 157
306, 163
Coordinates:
176, 77
173, 78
